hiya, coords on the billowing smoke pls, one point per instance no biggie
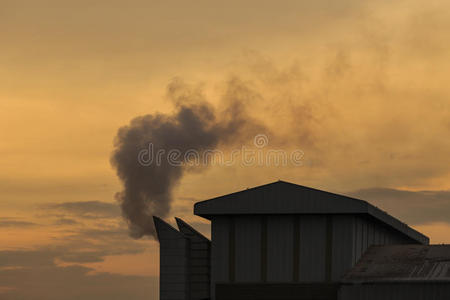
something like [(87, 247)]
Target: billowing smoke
[(195, 125)]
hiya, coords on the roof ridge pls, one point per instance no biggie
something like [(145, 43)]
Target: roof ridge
[(284, 197)]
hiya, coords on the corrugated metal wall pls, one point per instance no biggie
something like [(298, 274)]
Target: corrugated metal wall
[(292, 248), (277, 291), (220, 247), (342, 245), (368, 232), (199, 262), (174, 253), (313, 231), (280, 246), (248, 253), (395, 291)]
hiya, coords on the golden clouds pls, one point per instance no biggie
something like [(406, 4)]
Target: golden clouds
[(361, 87)]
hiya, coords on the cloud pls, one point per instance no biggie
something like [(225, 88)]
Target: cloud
[(39, 278), (87, 209), (413, 207), (29, 259), (83, 257), (66, 221), (62, 270), (86, 243), (93, 244), (11, 222), (48, 256)]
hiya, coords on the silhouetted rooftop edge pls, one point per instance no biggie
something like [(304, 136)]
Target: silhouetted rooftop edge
[(282, 197)]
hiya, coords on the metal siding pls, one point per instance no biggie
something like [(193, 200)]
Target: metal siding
[(219, 251), (277, 291), (395, 291), (370, 234), (231, 250), (388, 239), (174, 253), (364, 237), (395, 240), (263, 249), (296, 249), (374, 234), (248, 248), (329, 248), (353, 242), (279, 248), (377, 234), (199, 262), (312, 248), (342, 247), (384, 241), (359, 237)]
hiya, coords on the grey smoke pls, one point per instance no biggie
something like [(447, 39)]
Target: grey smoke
[(195, 124)]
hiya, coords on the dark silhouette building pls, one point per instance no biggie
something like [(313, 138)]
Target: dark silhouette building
[(286, 241)]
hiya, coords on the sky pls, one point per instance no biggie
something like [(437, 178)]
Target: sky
[(359, 87)]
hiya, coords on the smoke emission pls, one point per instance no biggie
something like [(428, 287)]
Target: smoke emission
[(194, 125)]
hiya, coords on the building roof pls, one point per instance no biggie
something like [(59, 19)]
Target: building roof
[(166, 231), (287, 198), (402, 263)]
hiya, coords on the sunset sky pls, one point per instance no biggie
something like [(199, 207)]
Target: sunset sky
[(360, 87)]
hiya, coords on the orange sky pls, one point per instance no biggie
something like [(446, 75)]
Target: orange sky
[(359, 86)]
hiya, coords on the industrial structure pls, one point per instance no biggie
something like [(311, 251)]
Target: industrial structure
[(286, 241)]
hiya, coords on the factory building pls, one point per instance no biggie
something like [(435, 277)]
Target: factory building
[(284, 241)]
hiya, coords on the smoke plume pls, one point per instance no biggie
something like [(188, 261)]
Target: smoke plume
[(194, 125)]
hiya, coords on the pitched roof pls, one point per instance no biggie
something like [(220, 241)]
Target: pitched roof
[(165, 231), (190, 231), (287, 198), (402, 263)]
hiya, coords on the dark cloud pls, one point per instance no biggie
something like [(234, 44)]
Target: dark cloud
[(11, 222), (66, 221), (83, 257), (87, 209), (99, 234), (415, 208), (34, 275), (29, 259), (93, 244), (79, 246)]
